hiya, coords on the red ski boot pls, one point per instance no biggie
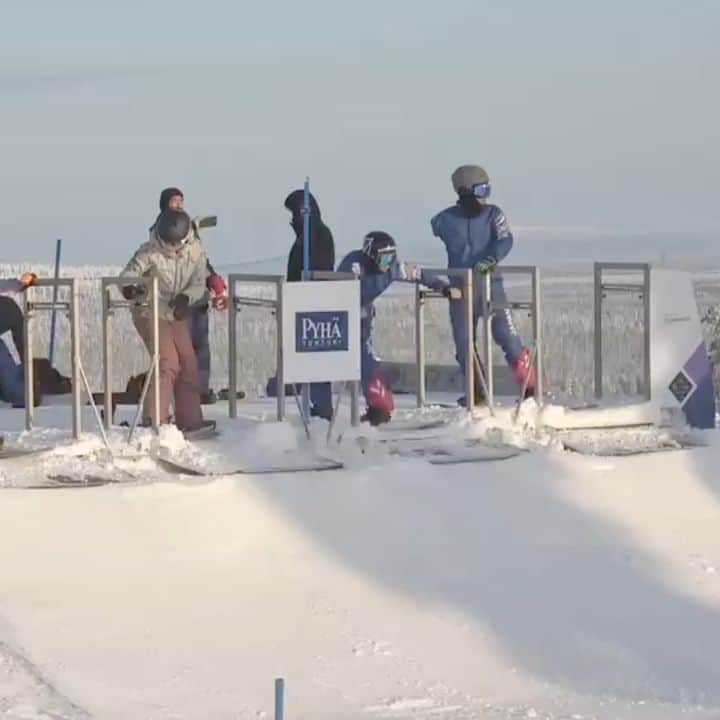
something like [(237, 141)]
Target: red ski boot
[(525, 373)]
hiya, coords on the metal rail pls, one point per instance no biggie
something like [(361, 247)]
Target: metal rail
[(236, 302), (109, 306), (72, 307), (276, 305), (490, 306), (465, 276), (600, 290)]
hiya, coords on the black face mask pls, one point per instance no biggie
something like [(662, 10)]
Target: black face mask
[(470, 204)]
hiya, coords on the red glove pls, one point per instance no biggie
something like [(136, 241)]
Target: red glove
[(220, 302), (27, 279), (216, 284)]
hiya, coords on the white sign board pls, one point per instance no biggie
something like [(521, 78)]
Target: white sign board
[(321, 331)]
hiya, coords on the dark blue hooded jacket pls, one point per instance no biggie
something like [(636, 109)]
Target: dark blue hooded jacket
[(472, 233)]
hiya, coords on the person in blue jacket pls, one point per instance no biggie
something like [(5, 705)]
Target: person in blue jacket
[(476, 235), (12, 374), (377, 266)]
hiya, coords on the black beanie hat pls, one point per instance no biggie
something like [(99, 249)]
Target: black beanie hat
[(167, 194)]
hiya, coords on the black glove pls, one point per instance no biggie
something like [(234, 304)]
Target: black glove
[(134, 292), (180, 304)]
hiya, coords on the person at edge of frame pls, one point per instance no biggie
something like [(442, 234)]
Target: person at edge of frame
[(12, 374)]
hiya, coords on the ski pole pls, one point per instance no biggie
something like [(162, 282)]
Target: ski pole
[(53, 319), (279, 699)]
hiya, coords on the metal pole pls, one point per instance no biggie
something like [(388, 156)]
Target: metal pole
[(155, 326), (58, 250), (107, 357), (75, 349), (307, 270), (487, 337), (597, 329), (470, 342), (279, 699), (232, 351), (279, 360), (29, 370), (537, 335), (647, 368), (355, 403), (420, 345)]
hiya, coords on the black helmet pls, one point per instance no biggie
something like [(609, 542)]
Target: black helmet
[(380, 248), (173, 227)]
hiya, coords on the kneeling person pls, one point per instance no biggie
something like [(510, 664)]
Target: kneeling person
[(377, 266), (176, 256)]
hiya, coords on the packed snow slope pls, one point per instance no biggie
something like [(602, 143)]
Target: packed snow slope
[(550, 585)]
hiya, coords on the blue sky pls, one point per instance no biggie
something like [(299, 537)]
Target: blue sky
[(592, 118)]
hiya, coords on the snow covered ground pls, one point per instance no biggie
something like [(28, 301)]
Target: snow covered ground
[(549, 585)]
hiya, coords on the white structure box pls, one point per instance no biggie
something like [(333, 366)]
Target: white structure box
[(321, 331)]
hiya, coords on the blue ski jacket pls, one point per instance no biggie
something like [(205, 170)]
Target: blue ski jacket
[(374, 283), (470, 237)]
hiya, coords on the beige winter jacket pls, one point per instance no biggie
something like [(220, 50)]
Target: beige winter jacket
[(180, 270)]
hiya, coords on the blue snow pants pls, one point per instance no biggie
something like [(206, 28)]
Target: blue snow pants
[(503, 329), (12, 378)]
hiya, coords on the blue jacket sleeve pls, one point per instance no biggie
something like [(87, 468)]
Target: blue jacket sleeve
[(435, 282), (371, 284), (502, 238), (435, 224)]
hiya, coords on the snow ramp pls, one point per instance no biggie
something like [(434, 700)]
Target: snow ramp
[(550, 586)]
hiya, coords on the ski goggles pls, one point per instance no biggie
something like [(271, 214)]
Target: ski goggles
[(385, 258), (481, 190)]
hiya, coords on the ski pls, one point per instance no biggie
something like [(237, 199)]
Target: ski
[(471, 452), (411, 425), (8, 453), (179, 468), (54, 482)]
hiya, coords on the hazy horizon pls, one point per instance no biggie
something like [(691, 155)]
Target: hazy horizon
[(593, 121)]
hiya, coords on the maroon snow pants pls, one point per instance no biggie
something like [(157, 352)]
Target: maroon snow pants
[(179, 376)]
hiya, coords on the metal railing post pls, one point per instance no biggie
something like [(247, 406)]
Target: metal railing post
[(597, 329), (420, 345), (29, 369), (152, 378), (232, 350), (355, 403), (155, 320), (107, 357), (280, 357), (470, 341), (537, 335), (487, 338), (647, 369), (75, 350)]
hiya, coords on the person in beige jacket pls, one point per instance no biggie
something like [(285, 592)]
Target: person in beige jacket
[(175, 255)]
